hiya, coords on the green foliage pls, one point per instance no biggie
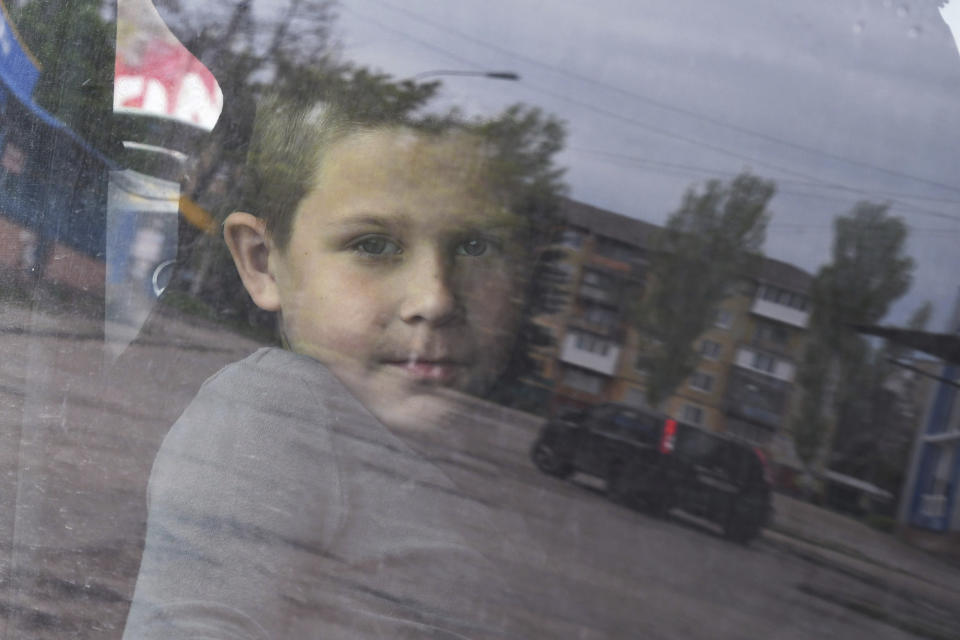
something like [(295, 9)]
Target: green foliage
[(708, 243), (811, 425), (881, 522), (842, 377), (868, 273), (368, 96), (75, 46), (524, 141)]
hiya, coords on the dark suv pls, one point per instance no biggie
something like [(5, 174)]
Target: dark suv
[(657, 463)]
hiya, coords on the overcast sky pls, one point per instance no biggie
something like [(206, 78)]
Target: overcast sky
[(837, 101)]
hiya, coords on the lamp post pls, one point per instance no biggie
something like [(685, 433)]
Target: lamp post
[(495, 75)]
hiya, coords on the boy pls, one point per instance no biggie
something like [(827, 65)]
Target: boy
[(288, 500)]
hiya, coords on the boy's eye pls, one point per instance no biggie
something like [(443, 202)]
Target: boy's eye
[(376, 246), (474, 247)]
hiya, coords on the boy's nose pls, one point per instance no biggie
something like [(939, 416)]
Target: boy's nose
[(429, 295)]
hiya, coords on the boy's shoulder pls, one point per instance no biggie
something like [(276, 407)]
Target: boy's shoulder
[(272, 378), (272, 392), (271, 368)]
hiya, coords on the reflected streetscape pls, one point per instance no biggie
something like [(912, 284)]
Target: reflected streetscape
[(336, 319)]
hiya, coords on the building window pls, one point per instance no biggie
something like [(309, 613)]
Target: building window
[(784, 297), (592, 343), (710, 349), (601, 316), (616, 250), (764, 362), (749, 433), (701, 381), (598, 287), (635, 397), (642, 365), (692, 413), (723, 319), (772, 332), (598, 279), (572, 237), (583, 381)]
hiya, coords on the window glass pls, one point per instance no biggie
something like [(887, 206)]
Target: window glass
[(710, 349), (701, 381), (583, 381), (764, 362), (294, 293), (692, 413), (723, 319), (572, 237)]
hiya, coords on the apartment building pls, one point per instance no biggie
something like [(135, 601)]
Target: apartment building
[(744, 382)]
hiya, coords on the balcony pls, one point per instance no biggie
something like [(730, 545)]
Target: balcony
[(599, 355), (600, 320), (782, 305), (781, 313), (756, 398), (765, 364), (599, 294), (755, 414)]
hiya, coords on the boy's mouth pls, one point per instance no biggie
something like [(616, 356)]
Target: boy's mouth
[(440, 371)]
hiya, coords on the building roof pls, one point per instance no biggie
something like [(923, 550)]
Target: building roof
[(609, 224), (785, 275), (642, 234)]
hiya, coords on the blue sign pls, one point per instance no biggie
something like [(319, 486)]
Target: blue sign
[(17, 69)]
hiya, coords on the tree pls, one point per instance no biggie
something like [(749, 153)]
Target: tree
[(523, 142), (706, 245), (75, 48), (876, 422), (868, 272)]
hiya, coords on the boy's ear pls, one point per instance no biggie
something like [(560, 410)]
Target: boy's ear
[(246, 237)]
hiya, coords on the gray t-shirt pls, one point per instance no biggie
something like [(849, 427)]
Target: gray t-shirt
[(279, 507)]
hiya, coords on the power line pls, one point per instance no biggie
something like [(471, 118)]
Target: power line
[(633, 121), (683, 169), (842, 187), (804, 225), (663, 105), (653, 129)]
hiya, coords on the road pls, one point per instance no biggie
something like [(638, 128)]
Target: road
[(78, 432)]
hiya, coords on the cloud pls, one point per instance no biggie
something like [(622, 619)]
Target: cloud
[(876, 83)]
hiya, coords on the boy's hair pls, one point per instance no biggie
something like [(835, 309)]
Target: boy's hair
[(287, 145), (290, 138)]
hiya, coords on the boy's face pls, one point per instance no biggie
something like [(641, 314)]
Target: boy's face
[(402, 274)]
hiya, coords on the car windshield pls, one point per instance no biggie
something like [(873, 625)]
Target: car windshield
[(298, 300)]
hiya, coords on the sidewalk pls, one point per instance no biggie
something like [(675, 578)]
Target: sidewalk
[(868, 571), (844, 536)]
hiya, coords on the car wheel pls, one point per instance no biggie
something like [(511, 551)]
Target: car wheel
[(617, 489), (744, 520), (658, 502), (548, 460), (740, 529)]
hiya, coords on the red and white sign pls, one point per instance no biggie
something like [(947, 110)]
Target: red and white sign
[(155, 74), (169, 82)]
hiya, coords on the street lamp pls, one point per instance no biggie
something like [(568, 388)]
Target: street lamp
[(496, 75)]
